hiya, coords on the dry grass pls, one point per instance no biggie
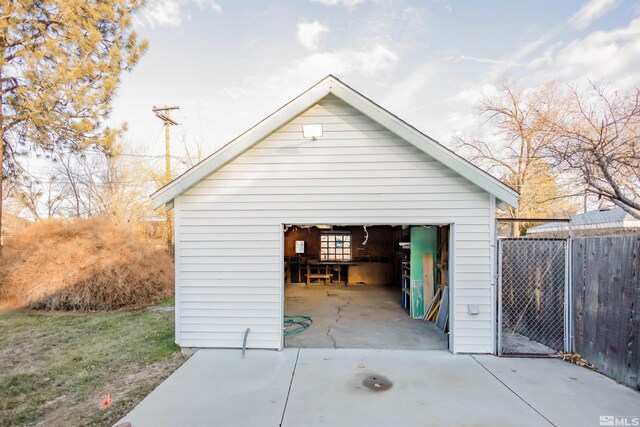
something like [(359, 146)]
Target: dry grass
[(84, 264)]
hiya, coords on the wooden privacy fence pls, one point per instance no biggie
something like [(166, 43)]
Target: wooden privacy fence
[(606, 300)]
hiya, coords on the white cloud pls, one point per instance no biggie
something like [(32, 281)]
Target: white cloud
[(309, 33), (233, 91), (613, 56), (491, 61), (606, 57), (212, 4), (609, 57), (349, 62), (171, 13), (407, 94), (517, 58), (590, 12), (422, 99), (366, 68), (353, 65), (413, 17), (443, 104), (347, 3), (474, 95)]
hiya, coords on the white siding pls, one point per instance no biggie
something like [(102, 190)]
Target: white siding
[(229, 226)]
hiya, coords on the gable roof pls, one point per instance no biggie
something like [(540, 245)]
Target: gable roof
[(304, 101)]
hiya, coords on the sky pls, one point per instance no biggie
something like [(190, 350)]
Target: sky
[(228, 64)]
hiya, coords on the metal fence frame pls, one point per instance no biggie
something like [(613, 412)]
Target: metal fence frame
[(499, 282), (567, 327), (568, 299)]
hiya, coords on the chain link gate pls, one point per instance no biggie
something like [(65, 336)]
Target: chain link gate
[(533, 296)]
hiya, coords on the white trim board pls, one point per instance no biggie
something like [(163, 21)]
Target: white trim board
[(332, 85)]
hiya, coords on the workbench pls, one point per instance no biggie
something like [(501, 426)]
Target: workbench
[(324, 270)]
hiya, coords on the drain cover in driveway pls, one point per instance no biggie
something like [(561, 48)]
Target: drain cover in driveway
[(377, 382)]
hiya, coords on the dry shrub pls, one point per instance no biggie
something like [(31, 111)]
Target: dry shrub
[(82, 264)]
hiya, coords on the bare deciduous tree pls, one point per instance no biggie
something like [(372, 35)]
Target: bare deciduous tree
[(516, 155), (193, 152), (92, 183), (598, 141), (96, 183), (41, 197)]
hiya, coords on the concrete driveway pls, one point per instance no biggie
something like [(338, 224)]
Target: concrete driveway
[(347, 387)]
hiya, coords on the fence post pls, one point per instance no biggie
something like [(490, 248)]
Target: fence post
[(568, 309), (569, 320), (499, 325)]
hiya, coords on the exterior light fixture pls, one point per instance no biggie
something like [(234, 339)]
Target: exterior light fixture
[(312, 131)]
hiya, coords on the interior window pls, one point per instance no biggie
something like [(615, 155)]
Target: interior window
[(335, 247)]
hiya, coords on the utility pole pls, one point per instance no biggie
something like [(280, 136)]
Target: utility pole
[(163, 114)]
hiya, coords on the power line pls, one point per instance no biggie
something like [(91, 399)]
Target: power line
[(66, 181), (159, 156)]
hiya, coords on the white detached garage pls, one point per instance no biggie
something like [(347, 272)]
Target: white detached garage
[(287, 202)]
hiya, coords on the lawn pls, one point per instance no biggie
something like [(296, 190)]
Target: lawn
[(169, 302), (55, 369)]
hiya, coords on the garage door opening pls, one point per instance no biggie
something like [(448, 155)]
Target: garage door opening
[(356, 286)]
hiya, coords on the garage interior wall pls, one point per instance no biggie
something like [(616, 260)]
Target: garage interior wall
[(373, 260), (229, 226)]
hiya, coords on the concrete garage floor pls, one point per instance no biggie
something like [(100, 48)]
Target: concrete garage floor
[(329, 387), (358, 316)]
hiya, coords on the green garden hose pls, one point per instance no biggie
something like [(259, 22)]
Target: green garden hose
[(298, 323)]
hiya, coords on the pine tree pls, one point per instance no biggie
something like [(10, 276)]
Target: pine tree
[(60, 65)]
